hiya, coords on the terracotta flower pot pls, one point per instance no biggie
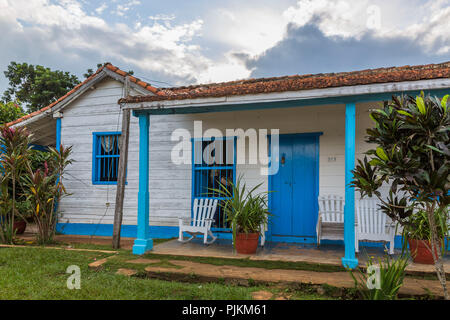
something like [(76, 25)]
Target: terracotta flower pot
[(420, 252), (20, 226), (247, 243)]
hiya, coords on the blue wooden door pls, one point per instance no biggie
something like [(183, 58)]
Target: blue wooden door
[(294, 200)]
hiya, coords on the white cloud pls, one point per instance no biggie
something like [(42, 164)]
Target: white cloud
[(349, 18), (162, 17), (100, 9), (221, 71), (66, 31), (121, 9), (253, 30), (201, 50), (246, 29)]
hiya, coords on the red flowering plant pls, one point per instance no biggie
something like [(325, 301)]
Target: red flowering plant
[(41, 187), (15, 151), (44, 188)]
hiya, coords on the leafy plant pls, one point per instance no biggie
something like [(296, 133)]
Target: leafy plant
[(391, 274), (38, 177), (418, 226), (412, 156), (14, 159), (44, 188), (7, 232), (245, 210)]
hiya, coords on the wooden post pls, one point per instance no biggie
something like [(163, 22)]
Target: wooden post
[(121, 171), (121, 177)]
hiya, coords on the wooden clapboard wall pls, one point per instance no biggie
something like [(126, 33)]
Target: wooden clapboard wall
[(170, 184)]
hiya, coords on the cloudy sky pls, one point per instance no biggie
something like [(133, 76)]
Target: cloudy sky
[(197, 41)]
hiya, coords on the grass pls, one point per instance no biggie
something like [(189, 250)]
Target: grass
[(40, 273), (32, 272)]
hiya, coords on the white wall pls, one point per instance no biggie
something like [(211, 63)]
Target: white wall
[(95, 111), (170, 184)]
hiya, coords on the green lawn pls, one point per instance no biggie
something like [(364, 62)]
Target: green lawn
[(39, 273)]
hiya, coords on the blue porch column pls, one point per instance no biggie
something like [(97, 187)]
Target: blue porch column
[(143, 242), (349, 261), (58, 133)]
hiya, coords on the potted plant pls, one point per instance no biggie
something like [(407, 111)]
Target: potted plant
[(417, 232), (22, 215), (246, 211)]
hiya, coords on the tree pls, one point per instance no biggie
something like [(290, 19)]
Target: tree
[(10, 111), (412, 155), (36, 86)]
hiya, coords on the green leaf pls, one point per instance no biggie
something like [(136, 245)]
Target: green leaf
[(421, 105), (435, 149), (382, 154), (405, 113), (444, 103), (375, 162)]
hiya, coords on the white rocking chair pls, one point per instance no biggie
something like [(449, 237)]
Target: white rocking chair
[(373, 224), (202, 219), (330, 223)]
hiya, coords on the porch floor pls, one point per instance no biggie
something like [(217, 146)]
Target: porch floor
[(278, 251)]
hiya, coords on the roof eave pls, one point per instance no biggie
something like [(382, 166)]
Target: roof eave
[(309, 94)]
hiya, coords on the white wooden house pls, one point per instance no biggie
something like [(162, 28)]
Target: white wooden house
[(321, 121)]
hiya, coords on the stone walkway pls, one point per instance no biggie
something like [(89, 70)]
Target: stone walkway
[(325, 254), (208, 272)]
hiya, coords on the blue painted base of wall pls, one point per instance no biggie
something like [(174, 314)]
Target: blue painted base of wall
[(127, 231)]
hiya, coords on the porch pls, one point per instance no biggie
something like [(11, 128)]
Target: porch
[(347, 100)]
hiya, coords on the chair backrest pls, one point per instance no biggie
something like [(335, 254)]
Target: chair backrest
[(203, 210), (371, 220), (331, 208)]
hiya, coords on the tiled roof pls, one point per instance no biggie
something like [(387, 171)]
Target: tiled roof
[(299, 82), (108, 66)]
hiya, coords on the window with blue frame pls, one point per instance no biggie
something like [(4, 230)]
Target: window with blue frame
[(105, 157), (214, 162)]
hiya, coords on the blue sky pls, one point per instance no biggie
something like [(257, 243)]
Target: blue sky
[(186, 42)]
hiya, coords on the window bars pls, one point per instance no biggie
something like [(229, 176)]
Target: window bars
[(214, 163)]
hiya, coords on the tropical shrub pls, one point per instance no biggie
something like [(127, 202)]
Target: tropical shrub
[(43, 189), (412, 155), (31, 177), (391, 274), (15, 151)]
